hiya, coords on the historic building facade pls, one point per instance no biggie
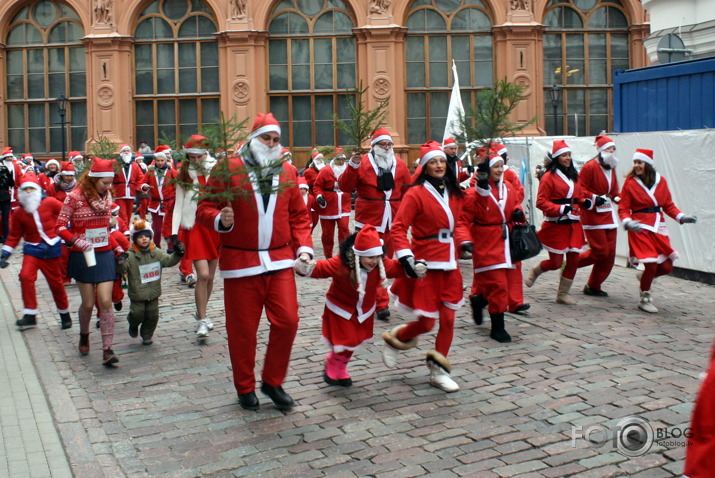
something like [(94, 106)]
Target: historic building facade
[(155, 69)]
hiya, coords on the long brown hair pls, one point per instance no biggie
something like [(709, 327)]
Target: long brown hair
[(88, 186), (648, 177)]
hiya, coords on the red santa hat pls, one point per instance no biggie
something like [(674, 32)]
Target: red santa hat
[(140, 227), (67, 168), (498, 148), (162, 150), (114, 209), (368, 242), (645, 155), (494, 158), (74, 155), (101, 168), (559, 147), (603, 142), (138, 157), (316, 155), (51, 162), (302, 183), (380, 134), (264, 123), (429, 150), (7, 153), (286, 154), (339, 153), (449, 142), (196, 144), (29, 180), (27, 156), (123, 147)]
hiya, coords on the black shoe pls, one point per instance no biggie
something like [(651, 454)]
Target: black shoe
[(384, 315), (108, 358), (248, 401), (133, 331), (98, 323), (118, 306), (281, 399), (147, 341), (500, 336), (478, 303), (593, 292), (341, 382), (28, 320), (66, 320), (522, 308)]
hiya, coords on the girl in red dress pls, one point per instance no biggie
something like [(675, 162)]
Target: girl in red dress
[(644, 198)]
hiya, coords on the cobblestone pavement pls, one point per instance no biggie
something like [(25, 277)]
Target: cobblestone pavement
[(170, 409)]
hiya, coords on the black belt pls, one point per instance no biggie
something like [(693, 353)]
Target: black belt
[(567, 221), (495, 224), (570, 201), (376, 199), (436, 236), (329, 190), (255, 250), (648, 210)]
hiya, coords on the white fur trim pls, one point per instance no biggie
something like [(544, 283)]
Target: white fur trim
[(195, 151), (559, 152), (494, 161), (380, 138), (642, 157), (265, 129), (607, 145), (373, 251), (432, 154), (108, 174)]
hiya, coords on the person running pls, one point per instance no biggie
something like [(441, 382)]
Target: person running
[(333, 205)]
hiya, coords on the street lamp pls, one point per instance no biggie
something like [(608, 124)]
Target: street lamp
[(555, 94), (62, 107)]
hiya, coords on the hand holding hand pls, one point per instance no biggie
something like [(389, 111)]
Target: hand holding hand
[(420, 268), (121, 258), (179, 248), (408, 263), (227, 217), (688, 220), (304, 265)]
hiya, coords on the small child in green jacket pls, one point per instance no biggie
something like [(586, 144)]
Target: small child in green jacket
[(143, 267)]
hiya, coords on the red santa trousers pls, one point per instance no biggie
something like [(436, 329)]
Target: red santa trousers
[(601, 253), (327, 235), (516, 287), (494, 286), (50, 268), (244, 299), (700, 452), (126, 206)]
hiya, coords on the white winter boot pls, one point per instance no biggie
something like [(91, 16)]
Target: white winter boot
[(439, 369), (393, 345), (646, 303)]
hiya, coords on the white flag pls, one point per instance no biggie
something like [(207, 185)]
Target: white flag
[(453, 129)]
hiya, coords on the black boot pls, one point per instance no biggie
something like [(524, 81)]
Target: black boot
[(478, 303), (383, 314), (498, 332), (66, 320), (280, 398), (28, 320)]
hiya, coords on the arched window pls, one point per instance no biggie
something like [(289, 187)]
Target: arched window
[(176, 75), (311, 57), (45, 58), (440, 31), (585, 41)]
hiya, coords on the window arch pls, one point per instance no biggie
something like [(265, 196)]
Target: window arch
[(176, 75), (440, 31), (585, 41), (312, 59), (44, 59)]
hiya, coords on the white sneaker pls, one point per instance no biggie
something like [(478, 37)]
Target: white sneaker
[(389, 356), (202, 330), (191, 280), (209, 323)]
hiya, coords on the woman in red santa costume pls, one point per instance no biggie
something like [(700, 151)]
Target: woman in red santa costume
[(200, 241), (430, 210), (490, 209), (262, 230), (162, 193), (332, 203), (310, 173), (599, 182), (83, 224), (379, 178), (52, 169), (34, 222), (644, 198), (559, 198), (358, 271), (127, 181)]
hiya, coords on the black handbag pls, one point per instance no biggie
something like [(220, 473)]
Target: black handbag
[(523, 242)]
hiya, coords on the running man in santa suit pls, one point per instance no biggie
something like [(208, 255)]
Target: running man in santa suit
[(333, 205), (379, 178), (262, 231), (127, 181)]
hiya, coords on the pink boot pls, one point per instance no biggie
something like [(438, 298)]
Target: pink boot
[(336, 372), (106, 323)]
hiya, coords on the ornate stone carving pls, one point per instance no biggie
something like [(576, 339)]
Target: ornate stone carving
[(105, 96), (379, 6), (381, 87), (238, 8), (520, 5), (103, 11), (241, 91)]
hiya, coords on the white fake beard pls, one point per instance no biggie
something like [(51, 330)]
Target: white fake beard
[(29, 200), (337, 170), (610, 159), (265, 155), (304, 193), (318, 164), (384, 158), (126, 157)]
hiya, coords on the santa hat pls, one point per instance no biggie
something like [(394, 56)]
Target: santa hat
[(494, 158), (449, 142), (51, 162), (162, 150), (286, 154), (114, 209), (67, 168), (316, 155), (29, 180), (264, 123), (138, 157), (140, 227), (603, 142), (196, 144), (123, 147), (380, 134), (101, 168), (73, 155), (645, 155), (498, 148), (7, 152), (559, 147), (302, 183), (368, 242), (339, 153), (27, 156), (429, 150)]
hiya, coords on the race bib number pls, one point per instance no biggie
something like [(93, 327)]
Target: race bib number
[(605, 207), (150, 272), (99, 237)]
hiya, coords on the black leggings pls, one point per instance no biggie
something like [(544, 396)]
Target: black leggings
[(5, 211)]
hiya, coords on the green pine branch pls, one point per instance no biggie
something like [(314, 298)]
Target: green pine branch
[(363, 121)]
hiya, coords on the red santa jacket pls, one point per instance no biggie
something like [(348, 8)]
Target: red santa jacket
[(78, 219), (487, 214), (598, 181), (338, 202), (162, 189), (433, 217), (55, 191), (555, 191), (371, 203), (516, 186), (639, 203), (343, 298), (35, 228), (264, 237), (127, 180)]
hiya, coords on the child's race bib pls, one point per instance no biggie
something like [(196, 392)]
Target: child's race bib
[(150, 272), (99, 237)]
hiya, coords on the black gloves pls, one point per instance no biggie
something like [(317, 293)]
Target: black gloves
[(600, 201), (567, 209), (121, 258), (408, 262), (179, 248), (467, 247), (321, 201), (587, 203), (517, 215), (3, 260)]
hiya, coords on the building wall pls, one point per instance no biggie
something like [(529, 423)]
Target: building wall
[(242, 38), (692, 20)]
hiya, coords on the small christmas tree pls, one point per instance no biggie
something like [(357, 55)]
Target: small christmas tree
[(363, 121), (101, 147)]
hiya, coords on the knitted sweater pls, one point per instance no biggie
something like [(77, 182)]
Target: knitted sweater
[(77, 218)]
